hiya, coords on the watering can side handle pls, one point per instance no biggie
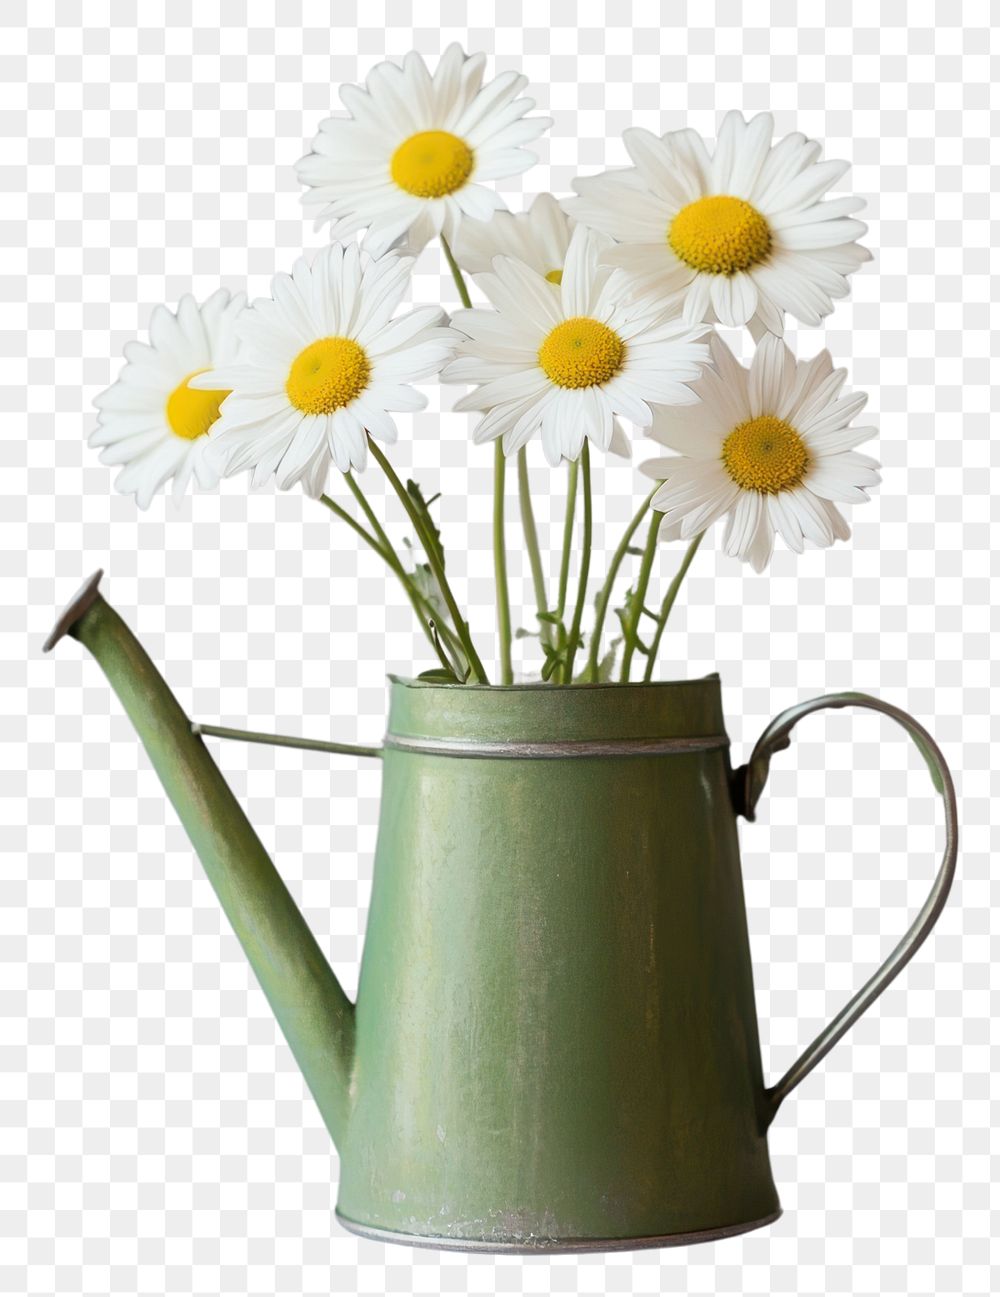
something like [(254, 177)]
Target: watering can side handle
[(748, 784), (286, 741)]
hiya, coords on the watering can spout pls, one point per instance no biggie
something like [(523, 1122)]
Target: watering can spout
[(315, 1014)]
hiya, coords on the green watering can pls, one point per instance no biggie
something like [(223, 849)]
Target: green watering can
[(554, 1046)]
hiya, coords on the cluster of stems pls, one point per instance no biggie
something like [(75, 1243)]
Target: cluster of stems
[(561, 633)]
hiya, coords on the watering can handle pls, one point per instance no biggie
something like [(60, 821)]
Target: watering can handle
[(748, 784)]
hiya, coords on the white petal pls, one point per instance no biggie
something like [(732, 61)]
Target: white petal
[(698, 299), (742, 533), (518, 292), (768, 318), (583, 277), (772, 374), (619, 444), (839, 439), (727, 148), (791, 293), (811, 516), (749, 158), (688, 432), (692, 157), (657, 165), (127, 449), (827, 211), (833, 417), (843, 477), (694, 494), (838, 524), (786, 160), (512, 387), (516, 421), (734, 298), (820, 234), (315, 476), (808, 186), (761, 544), (785, 520)]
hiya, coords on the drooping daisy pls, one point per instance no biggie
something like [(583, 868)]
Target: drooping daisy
[(320, 363), (152, 421), (566, 359), (539, 237), (739, 235), (410, 158), (772, 447)]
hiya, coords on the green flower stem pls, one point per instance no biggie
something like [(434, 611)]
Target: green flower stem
[(567, 547), (425, 612), (567, 543), (531, 541), (353, 523), (500, 563), (639, 599), (437, 567), (431, 612), (581, 594), (668, 603), (604, 598), (456, 274), (369, 512), (499, 476)]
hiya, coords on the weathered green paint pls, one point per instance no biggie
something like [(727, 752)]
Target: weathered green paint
[(555, 1043), (556, 1035)]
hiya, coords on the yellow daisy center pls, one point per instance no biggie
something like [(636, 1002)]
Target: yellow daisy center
[(190, 412), (765, 454), (328, 374), (554, 276), (431, 164), (581, 352), (719, 235)]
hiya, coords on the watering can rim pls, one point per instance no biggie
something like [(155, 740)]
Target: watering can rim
[(547, 687)]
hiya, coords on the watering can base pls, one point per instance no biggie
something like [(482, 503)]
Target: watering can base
[(539, 1244)]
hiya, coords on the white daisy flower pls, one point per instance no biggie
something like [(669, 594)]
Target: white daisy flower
[(737, 236), (568, 358), (321, 363), (539, 237), (152, 420), (410, 159), (772, 447)]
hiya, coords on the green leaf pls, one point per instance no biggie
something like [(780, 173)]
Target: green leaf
[(606, 666), (440, 674), (422, 508), (624, 613), (550, 666)]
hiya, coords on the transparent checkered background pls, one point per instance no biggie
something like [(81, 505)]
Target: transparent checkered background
[(156, 1136)]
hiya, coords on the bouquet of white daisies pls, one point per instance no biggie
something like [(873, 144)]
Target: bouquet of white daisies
[(596, 308)]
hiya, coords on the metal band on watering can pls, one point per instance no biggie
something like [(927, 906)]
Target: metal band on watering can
[(748, 784), (567, 748)]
